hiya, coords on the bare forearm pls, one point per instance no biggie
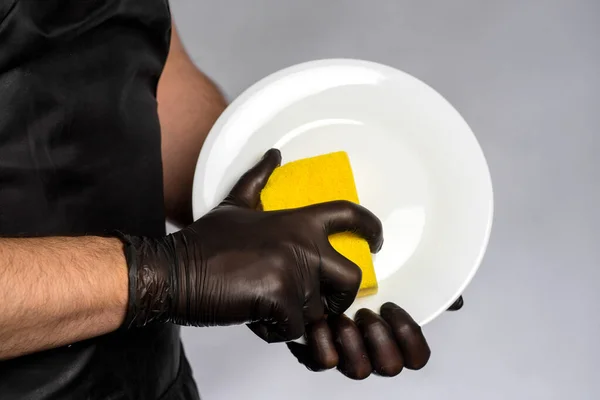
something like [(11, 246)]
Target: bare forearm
[(189, 103), (57, 291)]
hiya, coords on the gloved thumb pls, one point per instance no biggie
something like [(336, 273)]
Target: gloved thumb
[(246, 192)]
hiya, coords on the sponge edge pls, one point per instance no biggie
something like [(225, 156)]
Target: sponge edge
[(317, 180)]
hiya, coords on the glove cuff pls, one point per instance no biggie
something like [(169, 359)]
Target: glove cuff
[(149, 262)]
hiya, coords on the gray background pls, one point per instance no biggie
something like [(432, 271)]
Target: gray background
[(525, 75)]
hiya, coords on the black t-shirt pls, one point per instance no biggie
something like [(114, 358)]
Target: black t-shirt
[(80, 154)]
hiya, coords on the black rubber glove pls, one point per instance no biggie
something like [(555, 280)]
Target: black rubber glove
[(274, 270), (457, 305), (382, 344)]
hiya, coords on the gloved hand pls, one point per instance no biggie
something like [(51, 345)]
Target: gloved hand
[(382, 344), (274, 270)]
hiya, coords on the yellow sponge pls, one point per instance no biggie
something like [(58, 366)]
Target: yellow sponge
[(317, 180)]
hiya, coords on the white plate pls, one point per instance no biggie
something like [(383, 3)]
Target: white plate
[(416, 162)]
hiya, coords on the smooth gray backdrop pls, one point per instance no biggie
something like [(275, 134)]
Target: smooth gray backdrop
[(526, 77)]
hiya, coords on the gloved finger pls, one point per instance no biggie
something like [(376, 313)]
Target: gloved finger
[(321, 344), (354, 360), (457, 305), (319, 353), (340, 280), (345, 216), (408, 334), (285, 323), (379, 340), (246, 192)]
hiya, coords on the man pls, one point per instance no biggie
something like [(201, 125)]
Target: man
[(95, 152)]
